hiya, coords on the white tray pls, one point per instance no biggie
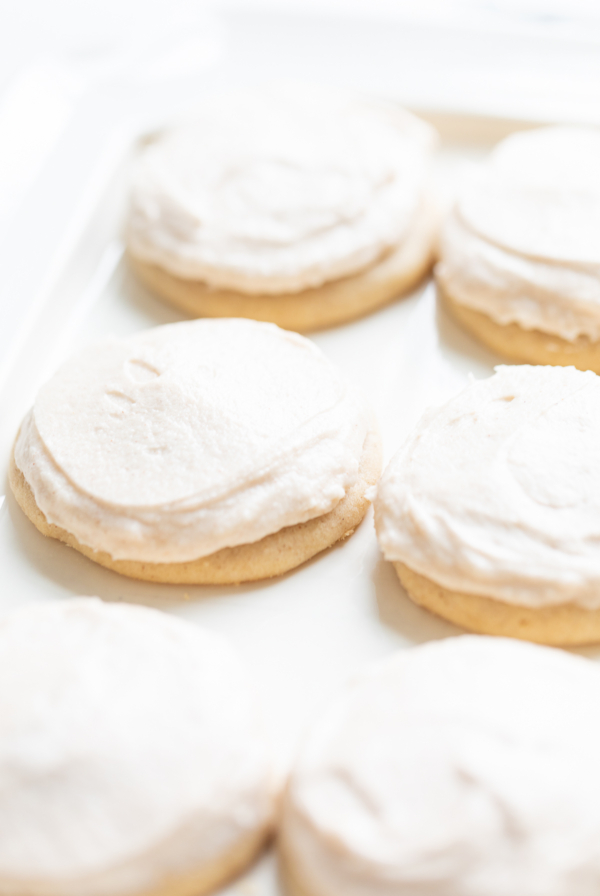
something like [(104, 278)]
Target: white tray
[(302, 634)]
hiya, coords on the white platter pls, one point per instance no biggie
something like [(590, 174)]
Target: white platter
[(302, 634)]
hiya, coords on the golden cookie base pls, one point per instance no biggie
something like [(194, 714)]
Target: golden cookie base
[(562, 625), (526, 346), (291, 876)]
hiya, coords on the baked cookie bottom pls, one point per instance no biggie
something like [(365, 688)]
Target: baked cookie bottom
[(529, 346), (312, 309), (290, 873), (271, 556), (220, 872), (194, 883), (560, 625)]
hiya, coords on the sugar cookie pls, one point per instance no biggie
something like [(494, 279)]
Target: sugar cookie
[(464, 766), (299, 207), (208, 451), (490, 511), (520, 254), (131, 759)]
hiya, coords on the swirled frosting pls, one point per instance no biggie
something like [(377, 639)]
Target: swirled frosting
[(278, 191), (130, 752), (184, 439), (465, 766), (523, 243), (497, 493)]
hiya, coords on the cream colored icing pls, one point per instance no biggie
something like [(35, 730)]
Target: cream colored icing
[(277, 191), (497, 493), (523, 243), (184, 439), (465, 766), (130, 750)]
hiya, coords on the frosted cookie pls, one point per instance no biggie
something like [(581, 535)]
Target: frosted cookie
[(304, 208), (520, 255), (466, 766), (211, 451), (131, 758), (490, 511)]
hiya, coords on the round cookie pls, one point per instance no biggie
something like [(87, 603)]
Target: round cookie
[(519, 259), (214, 451), (303, 209), (131, 759), (490, 511), (463, 766)]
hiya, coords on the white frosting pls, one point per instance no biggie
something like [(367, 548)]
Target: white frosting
[(129, 750), (562, 300), (466, 766), (279, 191), (497, 493), (187, 438), (523, 244)]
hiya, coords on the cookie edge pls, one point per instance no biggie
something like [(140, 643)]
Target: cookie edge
[(333, 303), (560, 625), (518, 344), (273, 555)]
